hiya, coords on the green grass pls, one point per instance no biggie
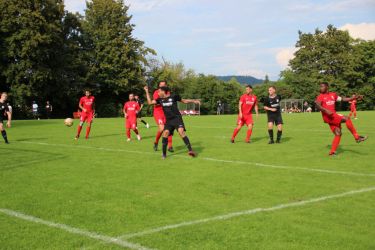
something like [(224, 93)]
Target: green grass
[(111, 187)]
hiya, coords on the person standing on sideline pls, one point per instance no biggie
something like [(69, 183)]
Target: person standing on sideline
[(34, 108), (48, 109), (4, 114)]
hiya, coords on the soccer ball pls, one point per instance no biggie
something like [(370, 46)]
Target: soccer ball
[(68, 122)]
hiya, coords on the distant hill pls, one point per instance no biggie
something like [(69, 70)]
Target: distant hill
[(242, 79)]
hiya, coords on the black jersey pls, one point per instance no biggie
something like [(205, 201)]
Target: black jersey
[(3, 111), (140, 102), (169, 105), (273, 102)]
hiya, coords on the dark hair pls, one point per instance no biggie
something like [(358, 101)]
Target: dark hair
[(87, 90), (165, 89), (325, 83), (249, 86), (273, 87)]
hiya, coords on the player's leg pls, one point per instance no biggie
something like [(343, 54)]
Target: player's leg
[(160, 123), (270, 132), (279, 132), (349, 124), (165, 142), (355, 113), (80, 125), (135, 129), (249, 132), (3, 132), (336, 140), (88, 125), (182, 133), (240, 123)]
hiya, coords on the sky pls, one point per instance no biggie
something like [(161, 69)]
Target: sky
[(239, 37)]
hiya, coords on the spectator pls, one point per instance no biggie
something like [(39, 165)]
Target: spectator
[(219, 107), (48, 109), (35, 110)]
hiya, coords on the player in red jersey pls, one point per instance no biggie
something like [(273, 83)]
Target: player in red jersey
[(353, 108), (325, 102), (160, 119), (87, 106), (131, 109), (248, 103)]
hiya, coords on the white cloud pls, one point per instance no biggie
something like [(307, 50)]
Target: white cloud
[(75, 5), (364, 31), (283, 56), (146, 5)]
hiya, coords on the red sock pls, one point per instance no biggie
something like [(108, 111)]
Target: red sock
[(169, 141), (248, 135), (136, 131), (79, 130), (88, 131), (128, 133), (350, 126), (335, 143), (158, 135), (355, 114), (235, 132)]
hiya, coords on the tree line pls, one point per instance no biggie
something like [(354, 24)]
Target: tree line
[(49, 53)]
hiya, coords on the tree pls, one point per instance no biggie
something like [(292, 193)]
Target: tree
[(116, 59)]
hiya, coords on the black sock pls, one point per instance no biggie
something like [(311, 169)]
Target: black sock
[(4, 134), (165, 144), (187, 143), (143, 122), (279, 134), (270, 132)]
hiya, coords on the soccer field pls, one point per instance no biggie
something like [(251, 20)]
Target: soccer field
[(106, 193)]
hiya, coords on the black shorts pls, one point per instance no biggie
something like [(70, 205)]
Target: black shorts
[(174, 124), (139, 115), (275, 118)]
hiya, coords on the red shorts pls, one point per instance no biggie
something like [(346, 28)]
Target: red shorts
[(131, 123), (160, 119), (353, 109), (335, 121), (245, 120), (87, 117)]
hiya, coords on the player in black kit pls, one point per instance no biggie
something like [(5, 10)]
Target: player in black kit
[(139, 114), (172, 115), (273, 108), (4, 114)]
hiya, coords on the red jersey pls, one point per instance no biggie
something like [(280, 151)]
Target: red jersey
[(131, 109), (158, 109), (87, 103), (248, 103), (353, 104), (328, 101)]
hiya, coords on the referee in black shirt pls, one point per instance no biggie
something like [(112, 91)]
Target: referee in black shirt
[(172, 115), (273, 108)]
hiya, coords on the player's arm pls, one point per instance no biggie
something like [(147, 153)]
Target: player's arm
[(149, 101), (256, 109), (324, 110), (124, 110), (9, 122), (240, 109), (81, 107), (350, 99), (269, 109)]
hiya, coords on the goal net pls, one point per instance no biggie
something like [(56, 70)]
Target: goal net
[(189, 108), (292, 105)]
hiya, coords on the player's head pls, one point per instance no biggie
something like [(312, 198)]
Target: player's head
[(131, 97), (163, 91), (324, 87), (87, 92), (162, 84), (248, 89), (4, 96), (47, 102), (136, 97), (272, 90)]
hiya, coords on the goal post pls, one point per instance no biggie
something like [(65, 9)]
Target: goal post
[(189, 108)]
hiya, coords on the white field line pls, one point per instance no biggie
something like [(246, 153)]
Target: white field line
[(210, 159), (73, 230), (32, 162), (246, 212)]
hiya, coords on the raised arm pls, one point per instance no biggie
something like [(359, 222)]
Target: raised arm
[(149, 101), (354, 97)]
